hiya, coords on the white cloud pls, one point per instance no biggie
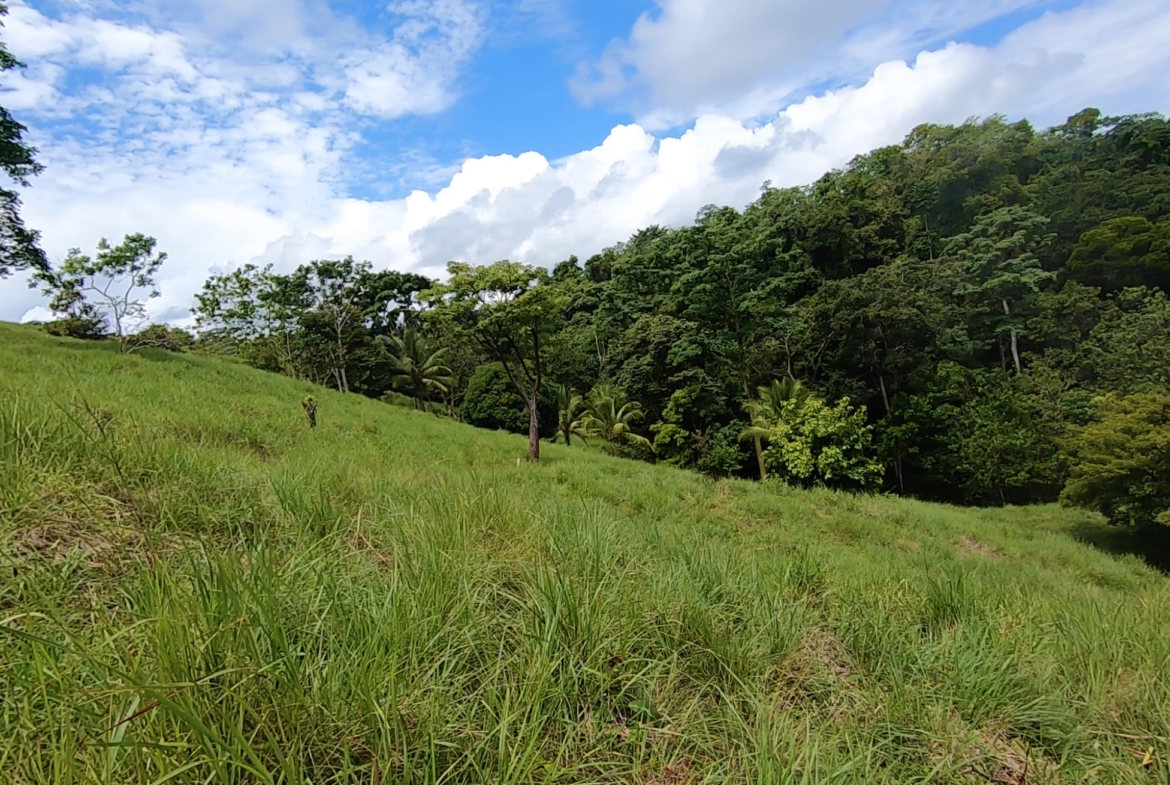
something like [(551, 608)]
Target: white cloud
[(742, 57), (411, 73), (260, 183)]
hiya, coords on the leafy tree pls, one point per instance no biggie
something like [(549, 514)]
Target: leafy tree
[(735, 285), (766, 411), (610, 417), (231, 305), (1120, 464), (1128, 349), (1122, 252), (999, 255), (330, 288), (721, 456), (110, 285), (418, 369), (18, 244), (569, 408), (693, 427), (162, 336), (813, 443), (510, 310), (491, 401)]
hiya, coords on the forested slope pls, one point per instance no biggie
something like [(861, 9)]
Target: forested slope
[(972, 292)]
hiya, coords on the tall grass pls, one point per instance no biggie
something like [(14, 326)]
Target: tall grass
[(196, 588)]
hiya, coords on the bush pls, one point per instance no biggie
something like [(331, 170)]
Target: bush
[(491, 401), (724, 454), (80, 327), (817, 444), (160, 336), (1120, 464)]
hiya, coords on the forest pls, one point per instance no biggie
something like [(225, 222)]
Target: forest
[(977, 315)]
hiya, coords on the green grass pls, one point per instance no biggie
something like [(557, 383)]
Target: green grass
[(197, 588)]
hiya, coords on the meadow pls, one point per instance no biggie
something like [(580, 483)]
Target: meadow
[(196, 587)]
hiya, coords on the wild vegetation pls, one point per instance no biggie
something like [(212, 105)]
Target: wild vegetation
[(210, 573), (956, 308), (196, 586)]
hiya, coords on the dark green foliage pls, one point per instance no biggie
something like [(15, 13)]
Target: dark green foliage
[(1121, 252), (18, 244), (971, 291), (80, 327), (491, 401), (161, 336), (722, 455)]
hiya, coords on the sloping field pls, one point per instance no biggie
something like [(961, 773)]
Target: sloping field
[(197, 588)]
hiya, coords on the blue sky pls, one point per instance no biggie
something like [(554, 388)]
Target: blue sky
[(411, 132)]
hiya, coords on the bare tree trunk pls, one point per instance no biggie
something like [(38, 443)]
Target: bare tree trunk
[(533, 429), (342, 381), (1015, 339)]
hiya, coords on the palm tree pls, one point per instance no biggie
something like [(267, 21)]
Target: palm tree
[(610, 417), (767, 410), (418, 370), (569, 407)]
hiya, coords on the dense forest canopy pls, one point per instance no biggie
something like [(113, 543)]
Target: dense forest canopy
[(967, 314)]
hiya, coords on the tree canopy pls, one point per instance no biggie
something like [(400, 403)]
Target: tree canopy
[(952, 306)]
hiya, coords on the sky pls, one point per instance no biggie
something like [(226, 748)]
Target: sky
[(414, 132)]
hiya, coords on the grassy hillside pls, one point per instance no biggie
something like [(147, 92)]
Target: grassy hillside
[(196, 588)]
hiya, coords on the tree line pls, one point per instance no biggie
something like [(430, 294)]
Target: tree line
[(976, 315), (958, 317)]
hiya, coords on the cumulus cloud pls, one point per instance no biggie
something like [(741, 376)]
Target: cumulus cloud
[(542, 211), (260, 183), (690, 57)]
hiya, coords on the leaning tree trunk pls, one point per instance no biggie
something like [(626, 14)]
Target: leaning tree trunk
[(533, 429)]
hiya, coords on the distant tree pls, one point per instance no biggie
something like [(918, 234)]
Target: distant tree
[(491, 401), (161, 336), (418, 369), (84, 327), (813, 443), (330, 289), (1000, 258), (692, 431), (569, 408), (1120, 464), (18, 244), (110, 285), (1121, 252), (610, 417), (511, 310), (766, 411)]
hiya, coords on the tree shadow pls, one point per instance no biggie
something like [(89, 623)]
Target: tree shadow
[(1151, 544)]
